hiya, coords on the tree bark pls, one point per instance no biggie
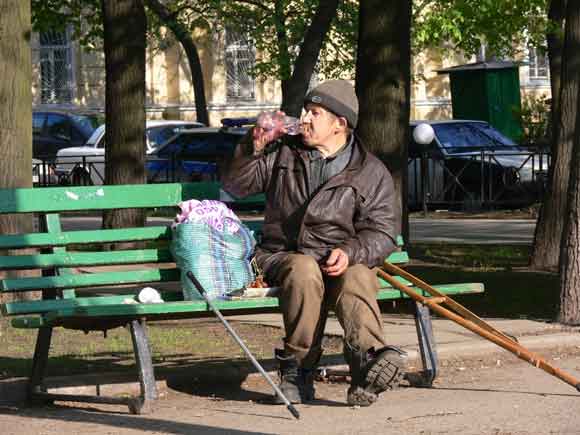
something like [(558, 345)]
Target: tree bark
[(15, 113), (125, 27), (546, 252), (555, 38), (15, 99), (294, 89), (383, 75), (570, 253), (183, 35)]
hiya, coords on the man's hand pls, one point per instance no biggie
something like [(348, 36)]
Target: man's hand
[(267, 130), (261, 138), (336, 263)]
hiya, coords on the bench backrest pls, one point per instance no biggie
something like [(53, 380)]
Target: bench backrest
[(58, 254)]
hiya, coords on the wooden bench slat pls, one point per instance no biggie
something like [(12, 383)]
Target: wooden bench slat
[(152, 311), (47, 305), (52, 224), (58, 199), (89, 280), (74, 198), (75, 259), (39, 240), (398, 257), (73, 305)]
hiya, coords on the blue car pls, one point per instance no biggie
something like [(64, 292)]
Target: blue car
[(193, 155)]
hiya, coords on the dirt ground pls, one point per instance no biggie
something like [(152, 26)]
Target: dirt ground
[(497, 394)]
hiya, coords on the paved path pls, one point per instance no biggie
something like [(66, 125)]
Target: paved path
[(479, 231), (492, 393)]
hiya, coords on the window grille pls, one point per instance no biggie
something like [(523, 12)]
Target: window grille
[(240, 60), (56, 72)]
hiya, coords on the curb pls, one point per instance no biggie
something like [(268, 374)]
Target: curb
[(484, 347)]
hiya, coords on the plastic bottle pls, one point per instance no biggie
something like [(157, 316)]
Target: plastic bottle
[(275, 121)]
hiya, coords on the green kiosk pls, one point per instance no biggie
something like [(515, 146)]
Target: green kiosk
[(487, 91)]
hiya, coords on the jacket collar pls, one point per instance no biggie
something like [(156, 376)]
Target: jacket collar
[(348, 175)]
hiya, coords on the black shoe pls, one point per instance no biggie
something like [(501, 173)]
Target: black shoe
[(296, 383), (373, 372)]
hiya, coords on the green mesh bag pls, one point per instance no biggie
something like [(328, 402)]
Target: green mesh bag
[(219, 260)]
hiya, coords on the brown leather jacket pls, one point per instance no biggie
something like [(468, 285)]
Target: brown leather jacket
[(355, 210)]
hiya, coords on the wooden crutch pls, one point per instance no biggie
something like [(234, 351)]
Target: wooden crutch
[(451, 304), (469, 320)]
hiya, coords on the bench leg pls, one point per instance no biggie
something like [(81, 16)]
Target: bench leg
[(37, 393), (142, 404), (427, 346), (35, 383)]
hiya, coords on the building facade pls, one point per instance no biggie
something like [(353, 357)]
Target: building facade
[(67, 76)]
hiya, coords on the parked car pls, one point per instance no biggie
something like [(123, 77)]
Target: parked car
[(199, 154), (86, 164), (471, 160), (53, 130), (192, 155)]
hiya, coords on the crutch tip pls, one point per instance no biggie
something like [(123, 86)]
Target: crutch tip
[(294, 411)]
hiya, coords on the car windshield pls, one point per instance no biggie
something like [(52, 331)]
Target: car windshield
[(86, 123), (457, 137), (158, 135)]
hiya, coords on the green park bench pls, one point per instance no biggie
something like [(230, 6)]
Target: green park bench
[(95, 299)]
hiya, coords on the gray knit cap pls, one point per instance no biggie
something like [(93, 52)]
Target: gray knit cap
[(338, 96)]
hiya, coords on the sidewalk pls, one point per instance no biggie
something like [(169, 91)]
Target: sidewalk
[(453, 342)]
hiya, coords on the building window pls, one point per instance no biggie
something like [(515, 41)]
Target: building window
[(56, 72), (240, 60), (538, 64)]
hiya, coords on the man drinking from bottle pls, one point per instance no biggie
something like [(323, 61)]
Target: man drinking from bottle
[(330, 218)]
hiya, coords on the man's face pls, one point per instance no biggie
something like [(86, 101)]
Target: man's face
[(319, 126)]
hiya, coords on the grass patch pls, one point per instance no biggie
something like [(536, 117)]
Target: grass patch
[(173, 343), (508, 294), (479, 256)]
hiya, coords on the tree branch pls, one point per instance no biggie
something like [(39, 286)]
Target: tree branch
[(255, 3), (184, 37)]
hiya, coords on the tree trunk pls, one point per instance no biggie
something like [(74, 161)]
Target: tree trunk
[(555, 38), (183, 35), (383, 76), (15, 112), (550, 223), (570, 253), (125, 27), (294, 89), (15, 100)]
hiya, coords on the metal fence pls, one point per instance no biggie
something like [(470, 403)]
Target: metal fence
[(481, 180)]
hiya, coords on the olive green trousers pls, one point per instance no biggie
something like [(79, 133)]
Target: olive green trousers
[(307, 295)]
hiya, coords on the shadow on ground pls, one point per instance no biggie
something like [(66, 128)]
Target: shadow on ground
[(108, 419)]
